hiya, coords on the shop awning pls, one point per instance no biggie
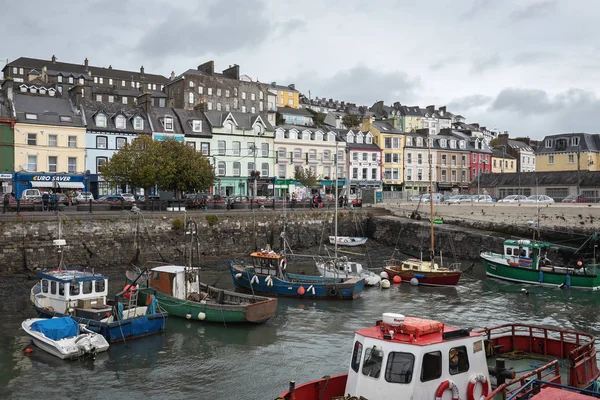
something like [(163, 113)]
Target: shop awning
[(62, 185)]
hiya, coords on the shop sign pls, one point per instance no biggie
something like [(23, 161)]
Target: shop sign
[(5, 176), (51, 178)]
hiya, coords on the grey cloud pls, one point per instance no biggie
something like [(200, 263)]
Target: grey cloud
[(466, 103), (534, 10), (525, 101), (483, 64), (478, 7), (218, 29), (361, 85), (437, 65), (532, 57)]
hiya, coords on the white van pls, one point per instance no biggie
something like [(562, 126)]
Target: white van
[(31, 194)]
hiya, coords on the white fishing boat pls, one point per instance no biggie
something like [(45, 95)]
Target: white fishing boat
[(342, 268), (347, 240), (64, 338)]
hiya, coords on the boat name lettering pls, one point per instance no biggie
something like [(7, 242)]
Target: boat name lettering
[(48, 178)]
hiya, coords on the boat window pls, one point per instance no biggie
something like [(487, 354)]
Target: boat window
[(399, 367), (356, 354), (99, 286), (87, 287), (432, 366), (155, 276), (61, 289), (459, 360), (53, 287), (74, 289), (353, 267), (373, 361), (44, 286), (509, 251)]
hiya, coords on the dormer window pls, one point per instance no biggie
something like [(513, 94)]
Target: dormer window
[(409, 141), (59, 78), (197, 125), (443, 143), (51, 92), (419, 142), (168, 123), (462, 144), (368, 139), (350, 137), (101, 120), (549, 143), (120, 122), (575, 141), (359, 138), (42, 90), (306, 135), (71, 80), (23, 88), (330, 137), (33, 89), (453, 144), (65, 118), (138, 123), (318, 136)]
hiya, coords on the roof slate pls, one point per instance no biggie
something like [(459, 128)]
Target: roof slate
[(186, 118), (111, 110), (587, 142), (48, 110), (244, 120), (385, 127)]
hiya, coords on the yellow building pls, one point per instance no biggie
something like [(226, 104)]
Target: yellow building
[(502, 162), (287, 96), (411, 118), (391, 142), (49, 135), (569, 152)]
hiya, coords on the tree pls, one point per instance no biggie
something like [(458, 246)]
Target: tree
[(494, 142), (169, 164), (351, 120), (318, 118), (279, 119), (305, 176)]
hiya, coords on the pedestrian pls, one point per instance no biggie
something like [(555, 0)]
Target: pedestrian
[(320, 200), (45, 198), (53, 201), (6, 203), (293, 201)]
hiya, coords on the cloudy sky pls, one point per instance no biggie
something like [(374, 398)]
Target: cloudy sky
[(527, 66)]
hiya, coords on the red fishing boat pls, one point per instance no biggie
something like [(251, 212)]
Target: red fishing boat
[(424, 272), (412, 358)]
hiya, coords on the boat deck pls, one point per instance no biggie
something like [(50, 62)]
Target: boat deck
[(523, 363)]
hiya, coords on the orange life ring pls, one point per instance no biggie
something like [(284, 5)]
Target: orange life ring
[(283, 264), (475, 379), (128, 289), (447, 385), (149, 299)]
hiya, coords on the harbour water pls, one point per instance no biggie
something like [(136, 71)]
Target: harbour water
[(305, 340)]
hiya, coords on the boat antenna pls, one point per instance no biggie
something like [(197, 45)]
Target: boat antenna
[(336, 196), (431, 200)]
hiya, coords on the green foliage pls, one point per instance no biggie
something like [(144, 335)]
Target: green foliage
[(178, 224), (279, 119), (351, 121), (318, 118), (170, 164), (305, 176), (494, 142), (212, 219)]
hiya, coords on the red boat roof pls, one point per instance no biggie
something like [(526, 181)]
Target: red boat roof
[(412, 330), (552, 393)]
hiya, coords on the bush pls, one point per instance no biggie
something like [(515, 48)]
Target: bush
[(178, 224), (212, 219)]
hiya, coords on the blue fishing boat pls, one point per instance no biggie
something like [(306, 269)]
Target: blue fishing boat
[(82, 295), (267, 275)]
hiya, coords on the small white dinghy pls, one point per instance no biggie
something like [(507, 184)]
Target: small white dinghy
[(348, 240), (341, 268), (64, 338)]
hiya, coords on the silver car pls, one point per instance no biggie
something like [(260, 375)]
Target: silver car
[(539, 198), (482, 198), (513, 198), (459, 198)]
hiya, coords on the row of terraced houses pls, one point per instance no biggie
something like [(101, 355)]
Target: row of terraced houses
[(60, 121)]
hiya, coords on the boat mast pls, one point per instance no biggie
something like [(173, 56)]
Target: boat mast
[(336, 196), (431, 199)]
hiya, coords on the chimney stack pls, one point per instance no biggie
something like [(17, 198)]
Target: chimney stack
[(430, 109), (233, 72), (208, 67), (53, 59), (201, 106), (110, 66), (144, 100), (397, 105), (86, 65), (172, 75), (142, 72), (7, 87)]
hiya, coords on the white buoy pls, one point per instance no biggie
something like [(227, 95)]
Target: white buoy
[(385, 284), (201, 316), (238, 275), (384, 275), (414, 282), (188, 316)]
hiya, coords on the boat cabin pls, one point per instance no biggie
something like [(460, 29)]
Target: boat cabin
[(67, 290), (419, 358), (267, 262), (524, 253), (175, 281)]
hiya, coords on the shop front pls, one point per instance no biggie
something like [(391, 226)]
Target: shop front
[(46, 182), (6, 185), (230, 186)]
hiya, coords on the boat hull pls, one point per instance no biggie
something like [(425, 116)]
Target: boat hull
[(314, 287), (348, 241), (118, 331), (371, 279), (427, 278), (257, 312), (325, 388), (496, 267)]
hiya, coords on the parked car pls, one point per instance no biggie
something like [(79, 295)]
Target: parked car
[(112, 198), (437, 197), (575, 198), (83, 197), (459, 198), (539, 198), (416, 198), (481, 198), (513, 198), (62, 198), (128, 197), (31, 195)]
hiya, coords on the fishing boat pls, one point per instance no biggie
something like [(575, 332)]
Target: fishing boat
[(411, 358), (82, 295), (526, 261), (267, 275), (347, 240), (64, 338), (424, 272), (180, 292)]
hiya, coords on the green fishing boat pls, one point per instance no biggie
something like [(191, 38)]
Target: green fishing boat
[(526, 261), (179, 291)]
